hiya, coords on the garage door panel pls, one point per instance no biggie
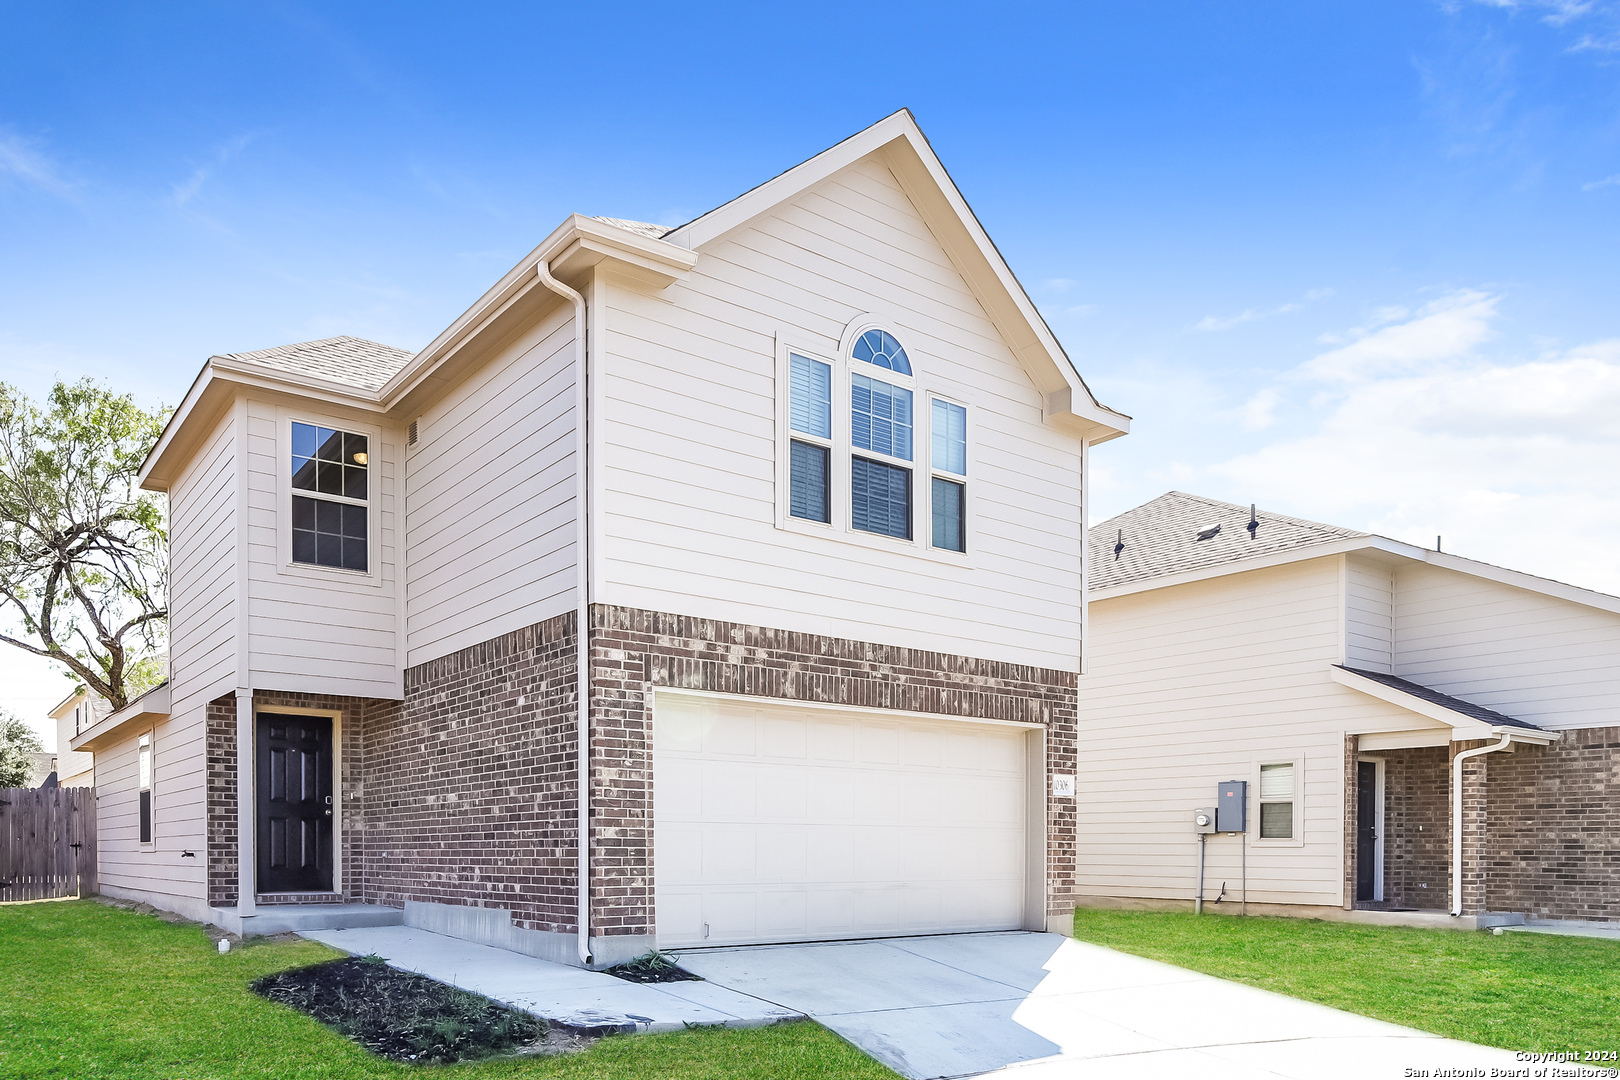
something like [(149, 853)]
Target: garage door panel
[(783, 737), (781, 824), (832, 739)]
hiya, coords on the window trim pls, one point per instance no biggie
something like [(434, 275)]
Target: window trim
[(924, 386), (146, 746), (1298, 799), (382, 451)]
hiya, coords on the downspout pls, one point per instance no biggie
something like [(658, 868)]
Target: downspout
[(582, 632), (1456, 816)]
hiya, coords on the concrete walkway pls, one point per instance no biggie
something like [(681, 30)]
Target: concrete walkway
[(569, 995), (1025, 1006)]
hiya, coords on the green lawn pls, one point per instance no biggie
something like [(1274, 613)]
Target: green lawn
[(91, 991), (1519, 991)]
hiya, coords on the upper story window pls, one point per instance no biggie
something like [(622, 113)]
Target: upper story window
[(331, 491), (878, 348), (857, 437), (949, 488)]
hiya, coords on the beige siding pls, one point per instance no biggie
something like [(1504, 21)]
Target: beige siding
[(178, 825), (1369, 615), (1196, 684), (489, 521), (687, 463), (316, 630), (1537, 658)]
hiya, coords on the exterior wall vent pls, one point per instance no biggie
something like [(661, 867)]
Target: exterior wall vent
[(410, 434)]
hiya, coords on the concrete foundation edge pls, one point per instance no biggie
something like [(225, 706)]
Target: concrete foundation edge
[(1430, 920), (187, 907), (493, 926)]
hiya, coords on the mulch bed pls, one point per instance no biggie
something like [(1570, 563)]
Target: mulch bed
[(408, 1017)]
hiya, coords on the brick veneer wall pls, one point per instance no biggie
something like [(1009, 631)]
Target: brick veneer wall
[(222, 764), (221, 798), (1417, 828), (469, 783), (635, 651), (1554, 828)]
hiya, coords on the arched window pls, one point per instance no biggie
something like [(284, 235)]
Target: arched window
[(878, 348)]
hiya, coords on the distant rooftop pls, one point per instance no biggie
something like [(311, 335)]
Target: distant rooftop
[(1161, 538), (351, 361)]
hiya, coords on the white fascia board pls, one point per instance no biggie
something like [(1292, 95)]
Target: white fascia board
[(150, 707), (177, 419), (1513, 578), (906, 151), (644, 254), (1261, 562), (1463, 727), (1529, 582)]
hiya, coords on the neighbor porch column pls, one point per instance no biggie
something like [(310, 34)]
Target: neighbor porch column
[(246, 826)]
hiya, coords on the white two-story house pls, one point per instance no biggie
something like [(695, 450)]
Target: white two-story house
[(802, 480)]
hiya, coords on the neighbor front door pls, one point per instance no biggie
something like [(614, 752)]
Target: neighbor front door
[(1367, 827), (294, 756)]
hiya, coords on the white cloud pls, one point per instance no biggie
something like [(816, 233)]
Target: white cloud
[(1607, 181), (1513, 462), (1226, 322), (22, 160), (1259, 412), (187, 190), (1442, 331)]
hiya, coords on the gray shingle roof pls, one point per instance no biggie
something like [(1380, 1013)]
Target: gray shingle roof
[(350, 361), (1435, 697), (1161, 538), (646, 228)]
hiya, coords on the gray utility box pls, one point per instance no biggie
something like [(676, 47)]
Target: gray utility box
[(1232, 806), (1204, 819)]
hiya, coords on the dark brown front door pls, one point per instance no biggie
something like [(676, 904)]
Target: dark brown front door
[(295, 803)]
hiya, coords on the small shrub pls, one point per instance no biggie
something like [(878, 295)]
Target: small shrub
[(654, 967)]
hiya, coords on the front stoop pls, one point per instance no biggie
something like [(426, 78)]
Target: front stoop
[(299, 918)]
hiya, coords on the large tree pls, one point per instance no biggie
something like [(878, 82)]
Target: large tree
[(83, 577)]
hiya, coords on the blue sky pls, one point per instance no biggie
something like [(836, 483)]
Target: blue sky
[(1355, 261)]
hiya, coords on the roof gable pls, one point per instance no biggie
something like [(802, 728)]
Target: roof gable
[(347, 361), (901, 146)]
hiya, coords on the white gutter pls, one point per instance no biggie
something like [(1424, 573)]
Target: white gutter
[(582, 636), (1456, 816)]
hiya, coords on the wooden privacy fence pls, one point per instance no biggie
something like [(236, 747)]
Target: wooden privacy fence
[(47, 842)]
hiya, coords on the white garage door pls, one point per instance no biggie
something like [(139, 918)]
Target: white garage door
[(774, 823)]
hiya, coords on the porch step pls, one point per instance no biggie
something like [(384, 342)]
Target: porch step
[(298, 918)]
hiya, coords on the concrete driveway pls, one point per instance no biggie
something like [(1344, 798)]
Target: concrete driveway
[(1038, 1007)]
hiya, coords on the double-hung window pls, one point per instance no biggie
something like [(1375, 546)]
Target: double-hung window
[(948, 495), (331, 496), (144, 770), (1277, 801), (880, 436), (810, 449)]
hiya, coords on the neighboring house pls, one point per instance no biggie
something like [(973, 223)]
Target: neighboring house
[(1340, 674), (43, 771), (809, 470), (77, 712)]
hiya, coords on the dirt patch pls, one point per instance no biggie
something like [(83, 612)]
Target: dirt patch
[(408, 1017), (655, 967)]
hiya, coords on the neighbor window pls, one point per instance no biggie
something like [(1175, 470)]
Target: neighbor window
[(1277, 802), (331, 489), (949, 495), (810, 451), (144, 750)]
